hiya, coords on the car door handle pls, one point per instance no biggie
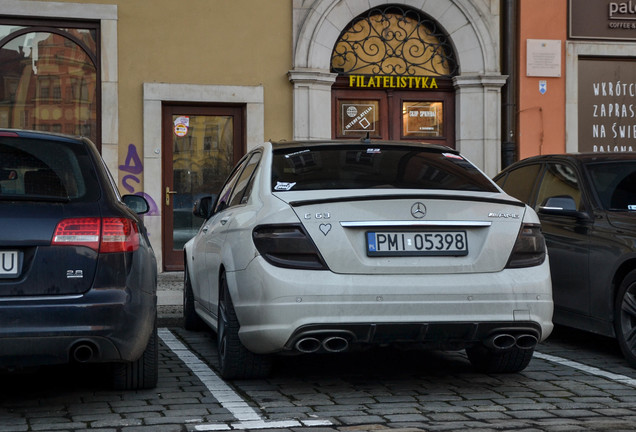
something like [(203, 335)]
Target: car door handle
[(224, 220), (205, 229)]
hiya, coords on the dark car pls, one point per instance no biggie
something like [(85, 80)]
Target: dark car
[(78, 276), (587, 207)]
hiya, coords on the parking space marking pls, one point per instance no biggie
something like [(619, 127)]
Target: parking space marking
[(247, 417), (587, 369)]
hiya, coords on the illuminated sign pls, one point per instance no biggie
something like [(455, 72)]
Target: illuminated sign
[(405, 82)]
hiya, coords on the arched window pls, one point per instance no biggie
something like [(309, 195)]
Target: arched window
[(392, 40), (49, 78)]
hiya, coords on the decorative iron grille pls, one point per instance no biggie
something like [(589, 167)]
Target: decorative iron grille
[(394, 41)]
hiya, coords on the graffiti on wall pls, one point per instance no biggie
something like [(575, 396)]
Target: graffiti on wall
[(132, 180)]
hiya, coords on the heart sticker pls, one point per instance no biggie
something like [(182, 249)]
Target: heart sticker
[(325, 228)]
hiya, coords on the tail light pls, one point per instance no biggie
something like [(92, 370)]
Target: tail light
[(529, 249), (288, 246), (104, 235)]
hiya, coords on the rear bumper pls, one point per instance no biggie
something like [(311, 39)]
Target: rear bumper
[(276, 306), (103, 325)]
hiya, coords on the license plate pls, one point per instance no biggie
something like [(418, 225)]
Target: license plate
[(9, 263), (438, 243)]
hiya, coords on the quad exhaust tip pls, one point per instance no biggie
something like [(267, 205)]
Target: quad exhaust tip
[(505, 341), (332, 344)]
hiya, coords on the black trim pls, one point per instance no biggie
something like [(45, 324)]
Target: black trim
[(409, 197)]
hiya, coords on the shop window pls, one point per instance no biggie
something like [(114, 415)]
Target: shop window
[(49, 77), (422, 119), (358, 117)]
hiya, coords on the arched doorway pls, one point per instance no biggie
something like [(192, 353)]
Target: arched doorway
[(395, 67), (473, 27)]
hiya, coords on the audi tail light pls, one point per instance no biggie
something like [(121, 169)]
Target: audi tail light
[(104, 235)]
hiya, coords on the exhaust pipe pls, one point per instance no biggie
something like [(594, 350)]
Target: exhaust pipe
[(501, 341), (83, 352), (335, 344), (526, 341), (308, 345)]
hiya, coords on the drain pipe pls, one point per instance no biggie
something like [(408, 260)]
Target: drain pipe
[(509, 53)]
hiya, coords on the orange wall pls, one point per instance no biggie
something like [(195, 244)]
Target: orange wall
[(541, 116)]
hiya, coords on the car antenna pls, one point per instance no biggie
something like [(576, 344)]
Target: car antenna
[(366, 139)]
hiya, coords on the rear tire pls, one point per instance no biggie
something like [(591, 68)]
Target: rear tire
[(506, 361), (142, 373), (191, 320), (236, 361), (625, 318)]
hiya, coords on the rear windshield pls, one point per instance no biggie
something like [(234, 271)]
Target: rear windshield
[(45, 170), (360, 167), (615, 184)]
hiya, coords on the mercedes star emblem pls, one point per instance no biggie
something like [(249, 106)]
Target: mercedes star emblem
[(418, 210)]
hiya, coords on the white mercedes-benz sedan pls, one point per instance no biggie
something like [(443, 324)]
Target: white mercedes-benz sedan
[(329, 246)]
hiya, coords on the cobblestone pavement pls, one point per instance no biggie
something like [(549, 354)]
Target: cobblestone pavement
[(576, 382)]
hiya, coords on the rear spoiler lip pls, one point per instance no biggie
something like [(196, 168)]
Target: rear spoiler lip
[(512, 202)]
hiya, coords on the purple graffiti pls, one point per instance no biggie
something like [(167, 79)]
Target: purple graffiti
[(133, 163), (126, 179), (134, 166)]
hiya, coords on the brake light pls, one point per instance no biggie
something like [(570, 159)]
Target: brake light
[(104, 235), (288, 246), (529, 249), (119, 235)]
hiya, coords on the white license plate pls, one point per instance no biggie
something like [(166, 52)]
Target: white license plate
[(440, 243), (9, 263)]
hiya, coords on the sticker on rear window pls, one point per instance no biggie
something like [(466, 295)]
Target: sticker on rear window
[(373, 150), (284, 186), (452, 156), (287, 156)]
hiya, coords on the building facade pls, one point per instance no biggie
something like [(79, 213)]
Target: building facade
[(173, 100), (577, 91)]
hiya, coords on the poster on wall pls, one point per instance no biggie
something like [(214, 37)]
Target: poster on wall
[(607, 105)]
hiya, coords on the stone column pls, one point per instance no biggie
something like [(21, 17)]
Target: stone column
[(478, 119), (312, 103)]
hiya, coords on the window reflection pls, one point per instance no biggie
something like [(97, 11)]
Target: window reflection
[(49, 81)]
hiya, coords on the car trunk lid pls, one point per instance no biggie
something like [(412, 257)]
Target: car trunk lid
[(30, 264), (410, 232)]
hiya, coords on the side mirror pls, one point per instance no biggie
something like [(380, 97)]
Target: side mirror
[(562, 205), (136, 203), (203, 207)]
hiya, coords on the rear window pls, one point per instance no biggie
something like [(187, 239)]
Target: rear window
[(45, 170), (361, 167)]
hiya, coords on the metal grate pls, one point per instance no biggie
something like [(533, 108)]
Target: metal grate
[(394, 41)]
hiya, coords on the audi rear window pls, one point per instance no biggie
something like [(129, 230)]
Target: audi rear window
[(361, 167), (46, 170)]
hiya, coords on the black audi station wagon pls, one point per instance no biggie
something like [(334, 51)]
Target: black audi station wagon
[(78, 276)]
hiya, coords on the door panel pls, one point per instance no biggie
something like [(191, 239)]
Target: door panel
[(201, 145)]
